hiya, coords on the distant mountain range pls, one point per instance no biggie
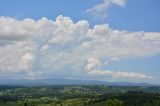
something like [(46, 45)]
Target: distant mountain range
[(63, 81)]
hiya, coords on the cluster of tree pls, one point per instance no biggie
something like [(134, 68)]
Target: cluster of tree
[(79, 96), (114, 103)]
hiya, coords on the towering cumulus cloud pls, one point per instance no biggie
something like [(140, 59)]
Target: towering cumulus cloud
[(43, 48)]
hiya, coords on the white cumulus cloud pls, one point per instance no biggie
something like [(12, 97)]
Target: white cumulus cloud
[(26, 61), (62, 47), (93, 68), (92, 64)]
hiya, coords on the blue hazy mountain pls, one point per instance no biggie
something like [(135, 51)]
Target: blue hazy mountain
[(63, 81)]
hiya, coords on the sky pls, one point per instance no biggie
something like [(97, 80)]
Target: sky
[(108, 40)]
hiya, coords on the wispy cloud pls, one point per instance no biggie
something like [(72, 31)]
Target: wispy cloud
[(100, 10), (120, 74)]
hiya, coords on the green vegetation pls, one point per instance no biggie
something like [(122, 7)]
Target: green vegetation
[(114, 103), (79, 96)]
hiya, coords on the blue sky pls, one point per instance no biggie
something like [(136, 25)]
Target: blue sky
[(139, 15), (118, 40)]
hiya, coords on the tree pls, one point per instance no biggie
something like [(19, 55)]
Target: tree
[(25, 104), (114, 103)]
